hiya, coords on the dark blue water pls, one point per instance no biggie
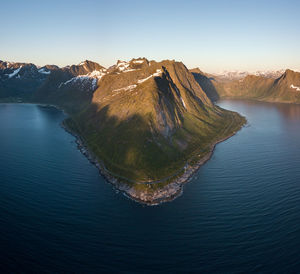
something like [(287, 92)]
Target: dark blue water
[(241, 213)]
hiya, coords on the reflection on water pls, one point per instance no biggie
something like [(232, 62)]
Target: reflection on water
[(288, 111)]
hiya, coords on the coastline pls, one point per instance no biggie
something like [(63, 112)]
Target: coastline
[(269, 101), (167, 193), (38, 104)]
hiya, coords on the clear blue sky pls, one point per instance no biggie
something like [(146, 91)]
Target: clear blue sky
[(213, 35)]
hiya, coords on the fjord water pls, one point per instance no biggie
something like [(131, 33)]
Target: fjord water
[(239, 214)]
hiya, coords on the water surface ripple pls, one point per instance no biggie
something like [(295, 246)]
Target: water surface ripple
[(239, 214)]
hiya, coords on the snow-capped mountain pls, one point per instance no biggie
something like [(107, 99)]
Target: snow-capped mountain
[(21, 79), (85, 75), (18, 79), (9, 70), (269, 73), (127, 66), (231, 75), (236, 75)]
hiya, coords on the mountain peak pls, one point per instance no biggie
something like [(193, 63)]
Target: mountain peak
[(290, 77), (83, 68), (289, 72), (127, 66), (87, 62), (197, 70)]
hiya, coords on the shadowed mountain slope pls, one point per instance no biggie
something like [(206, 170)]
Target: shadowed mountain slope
[(206, 83)]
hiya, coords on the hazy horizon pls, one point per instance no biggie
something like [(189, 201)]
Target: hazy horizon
[(212, 35)]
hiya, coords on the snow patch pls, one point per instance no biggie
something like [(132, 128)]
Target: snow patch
[(131, 87), (92, 77), (138, 61), (295, 87), (42, 70), (14, 73), (156, 74), (122, 65), (129, 70), (81, 79), (145, 79), (183, 103), (97, 74)]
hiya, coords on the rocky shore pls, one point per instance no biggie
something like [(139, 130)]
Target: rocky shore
[(163, 194)]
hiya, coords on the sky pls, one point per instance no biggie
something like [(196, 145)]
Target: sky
[(212, 35)]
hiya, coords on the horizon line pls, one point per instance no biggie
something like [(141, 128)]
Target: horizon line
[(189, 67)]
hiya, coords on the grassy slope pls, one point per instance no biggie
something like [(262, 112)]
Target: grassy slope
[(130, 150)]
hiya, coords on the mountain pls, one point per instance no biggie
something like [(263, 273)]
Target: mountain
[(21, 79), (70, 87), (151, 122), (147, 125), (230, 75), (237, 75), (27, 82), (269, 73), (263, 87), (286, 88)]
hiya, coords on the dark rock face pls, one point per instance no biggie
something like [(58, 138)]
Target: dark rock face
[(206, 83)]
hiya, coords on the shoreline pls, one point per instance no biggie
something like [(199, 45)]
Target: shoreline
[(37, 104), (167, 193), (268, 101), (164, 194)]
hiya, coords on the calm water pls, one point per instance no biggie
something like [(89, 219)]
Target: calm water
[(241, 213)]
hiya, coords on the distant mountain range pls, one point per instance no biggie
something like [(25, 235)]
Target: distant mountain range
[(148, 125), (270, 86), (236, 75)]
